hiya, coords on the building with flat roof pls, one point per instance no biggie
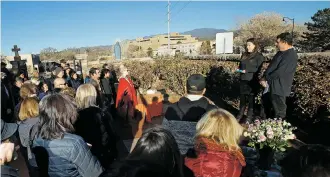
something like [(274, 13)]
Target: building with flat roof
[(187, 49), (154, 42)]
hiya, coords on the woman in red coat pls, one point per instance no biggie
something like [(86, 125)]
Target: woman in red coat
[(216, 152), (126, 95)]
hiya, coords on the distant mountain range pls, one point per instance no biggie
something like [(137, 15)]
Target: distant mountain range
[(204, 33), (200, 33)]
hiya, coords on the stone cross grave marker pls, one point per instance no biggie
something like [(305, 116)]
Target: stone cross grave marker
[(16, 50)]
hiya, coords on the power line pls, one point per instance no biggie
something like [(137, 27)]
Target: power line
[(176, 2), (179, 11)]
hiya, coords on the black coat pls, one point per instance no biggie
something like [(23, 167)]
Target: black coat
[(251, 64), (16, 95), (144, 168), (249, 81), (280, 72), (6, 103), (105, 86), (187, 110), (183, 131), (74, 83), (8, 171), (107, 91), (91, 126)]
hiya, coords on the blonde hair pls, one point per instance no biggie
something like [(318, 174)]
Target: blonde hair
[(220, 126), (86, 96), (69, 91), (27, 90), (29, 108)]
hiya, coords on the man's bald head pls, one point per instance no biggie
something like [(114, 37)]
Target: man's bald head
[(59, 83)]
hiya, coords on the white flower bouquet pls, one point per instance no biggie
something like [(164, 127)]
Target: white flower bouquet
[(273, 133)]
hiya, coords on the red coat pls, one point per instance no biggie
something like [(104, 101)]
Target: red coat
[(130, 99), (214, 160)]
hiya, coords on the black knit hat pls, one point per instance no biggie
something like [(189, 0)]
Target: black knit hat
[(196, 84)]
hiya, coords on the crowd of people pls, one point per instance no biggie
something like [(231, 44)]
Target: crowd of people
[(64, 125)]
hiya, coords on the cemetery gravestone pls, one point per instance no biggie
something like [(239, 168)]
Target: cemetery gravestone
[(18, 65)]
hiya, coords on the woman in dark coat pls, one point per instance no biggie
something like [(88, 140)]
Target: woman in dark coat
[(59, 152), (251, 62), (29, 116), (74, 81), (155, 154), (91, 124)]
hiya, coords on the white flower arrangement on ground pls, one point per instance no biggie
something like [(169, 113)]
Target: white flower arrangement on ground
[(274, 133)]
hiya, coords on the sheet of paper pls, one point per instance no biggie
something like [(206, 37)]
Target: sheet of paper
[(266, 89)]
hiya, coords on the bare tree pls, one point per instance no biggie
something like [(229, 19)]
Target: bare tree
[(265, 27), (48, 53), (67, 54)]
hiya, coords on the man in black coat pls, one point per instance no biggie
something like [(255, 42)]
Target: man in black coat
[(106, 86), (7, 107), (194, 105), (280, 72), (181, 117)]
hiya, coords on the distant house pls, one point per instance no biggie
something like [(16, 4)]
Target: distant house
[(188, 49), (81, 56), (154, 42)]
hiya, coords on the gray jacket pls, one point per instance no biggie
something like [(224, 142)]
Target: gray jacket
[(183, 132), (69, 156), (24, 131)]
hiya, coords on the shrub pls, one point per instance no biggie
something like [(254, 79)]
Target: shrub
[(174, 73), (142, 73), (311, 85), (224, 82)]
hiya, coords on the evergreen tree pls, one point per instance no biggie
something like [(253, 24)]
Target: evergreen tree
[(318, 35)]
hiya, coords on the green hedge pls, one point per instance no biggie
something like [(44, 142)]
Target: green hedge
[(311, 87)]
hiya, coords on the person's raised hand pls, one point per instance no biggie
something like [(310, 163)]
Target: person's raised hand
[(6, 152)]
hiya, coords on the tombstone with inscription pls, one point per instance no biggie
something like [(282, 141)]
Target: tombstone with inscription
[(18, 65), (117, 51)]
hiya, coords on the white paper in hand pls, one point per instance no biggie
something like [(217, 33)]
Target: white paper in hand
[(266, 89)]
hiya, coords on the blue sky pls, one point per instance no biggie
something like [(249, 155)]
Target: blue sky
[(37, 25)]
